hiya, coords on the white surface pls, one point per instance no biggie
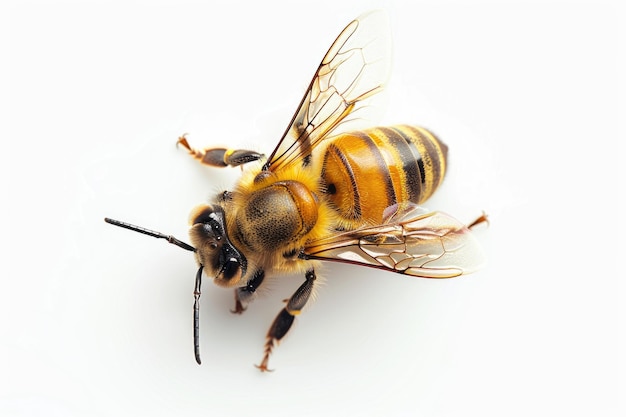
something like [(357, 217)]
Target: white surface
[(97, 320)]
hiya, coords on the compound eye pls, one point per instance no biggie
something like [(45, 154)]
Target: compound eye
[(212, 232)]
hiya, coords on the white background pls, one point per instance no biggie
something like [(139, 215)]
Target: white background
[(97, 320)]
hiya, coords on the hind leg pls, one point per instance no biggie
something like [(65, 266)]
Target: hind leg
[(482, 219)]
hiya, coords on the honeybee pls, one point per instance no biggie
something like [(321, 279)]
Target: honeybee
[(326, 193)]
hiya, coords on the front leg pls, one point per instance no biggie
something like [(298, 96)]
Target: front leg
[(220, 157), (244, 295), (284, 320)]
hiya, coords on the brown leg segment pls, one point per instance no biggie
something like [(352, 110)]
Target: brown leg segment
[(282, 323), (220, 157), (482, 219), (244, 295)]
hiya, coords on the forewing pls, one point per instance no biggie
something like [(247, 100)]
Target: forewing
[(429, 245), (355, 68)]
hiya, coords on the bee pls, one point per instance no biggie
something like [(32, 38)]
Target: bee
[(327, 193)]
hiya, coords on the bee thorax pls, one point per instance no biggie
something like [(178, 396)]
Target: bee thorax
[(278, 215)]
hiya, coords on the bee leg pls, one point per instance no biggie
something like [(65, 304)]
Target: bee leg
[(482, 219), (220, 157), (282, 323), (244, 295)]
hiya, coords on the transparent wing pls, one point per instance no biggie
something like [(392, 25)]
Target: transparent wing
[(429, 245), (355, 67)]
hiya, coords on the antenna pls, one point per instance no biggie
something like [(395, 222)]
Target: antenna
[(171, 239), (196, 292)]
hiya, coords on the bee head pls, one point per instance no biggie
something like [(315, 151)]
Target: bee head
[(221, 260)]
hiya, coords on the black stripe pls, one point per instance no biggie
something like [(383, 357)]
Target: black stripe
[(431, 145), (411, 159), (420, 160), (390, 192), (357, 199)]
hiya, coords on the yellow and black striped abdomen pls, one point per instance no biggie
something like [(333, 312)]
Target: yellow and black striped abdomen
[(366, 172)]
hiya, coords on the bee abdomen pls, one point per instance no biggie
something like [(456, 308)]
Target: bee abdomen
[(366, 172)]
